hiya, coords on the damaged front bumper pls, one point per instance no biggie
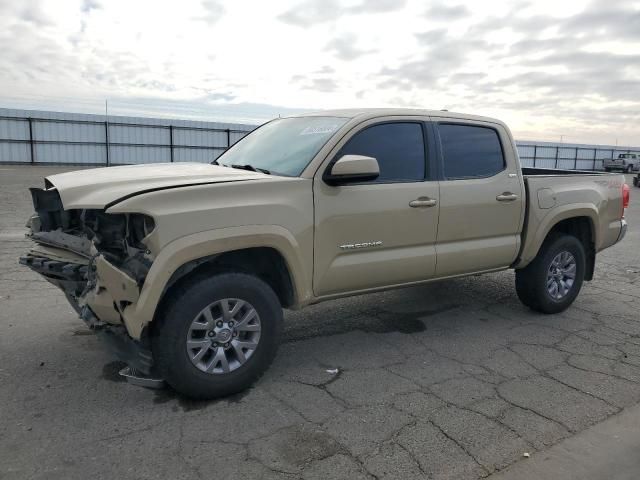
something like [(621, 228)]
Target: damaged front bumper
[(96, 306), (100, 262)]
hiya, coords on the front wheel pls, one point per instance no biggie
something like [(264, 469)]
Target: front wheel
[(629, 168), (217, 334), (552, 281)]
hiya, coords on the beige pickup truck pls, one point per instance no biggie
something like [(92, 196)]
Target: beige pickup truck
[(185, 268)]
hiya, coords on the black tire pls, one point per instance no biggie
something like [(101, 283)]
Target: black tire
[(607, 169), (171, 327), (531, 281), (629, 168), (636, 181)]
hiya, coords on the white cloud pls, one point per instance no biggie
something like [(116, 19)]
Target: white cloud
[(546, 67)]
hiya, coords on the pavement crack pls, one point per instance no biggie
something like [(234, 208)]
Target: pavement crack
[(462, 447), (592, 395), (540, 414)]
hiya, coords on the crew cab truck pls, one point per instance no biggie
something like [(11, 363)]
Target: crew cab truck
[(626, 162), (185, 268)]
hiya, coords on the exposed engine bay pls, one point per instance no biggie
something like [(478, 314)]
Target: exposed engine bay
[(99, 260)]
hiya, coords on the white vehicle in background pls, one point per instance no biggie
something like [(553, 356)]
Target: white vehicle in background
[(627, 162)]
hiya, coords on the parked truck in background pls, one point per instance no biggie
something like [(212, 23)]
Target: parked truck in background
[(186, 268), (626, 162)]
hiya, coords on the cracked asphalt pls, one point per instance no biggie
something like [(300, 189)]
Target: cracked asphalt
[(451, 380)]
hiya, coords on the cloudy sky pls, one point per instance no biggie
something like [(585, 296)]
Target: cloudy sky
[(547, 67)]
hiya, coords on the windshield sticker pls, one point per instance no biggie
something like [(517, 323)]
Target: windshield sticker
[(320, 130)]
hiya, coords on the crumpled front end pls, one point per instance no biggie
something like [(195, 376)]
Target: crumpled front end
[(99, 260)]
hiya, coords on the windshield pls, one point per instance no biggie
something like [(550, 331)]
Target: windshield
[(284, 146), (625, 155)]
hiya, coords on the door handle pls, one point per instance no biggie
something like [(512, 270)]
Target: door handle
[(507, 197), (423, 202)]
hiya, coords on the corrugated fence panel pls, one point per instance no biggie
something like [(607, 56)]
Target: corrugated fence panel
[(202, 155), (526, 150), (68, 132), (73, 154), (138, 135), (119, 155), (584, 164), (566, 152), (546, 152), (526, 162), (602, 154), (73, 138), (202, 138), (566, 164), (545, 163), (15, 152), (235, 136), (14, 129), (585, 153)]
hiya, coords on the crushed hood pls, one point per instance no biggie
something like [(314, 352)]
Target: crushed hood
[(101, 187)]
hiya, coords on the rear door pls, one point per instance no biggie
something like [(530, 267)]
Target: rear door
[(481, 197), (381, 232)]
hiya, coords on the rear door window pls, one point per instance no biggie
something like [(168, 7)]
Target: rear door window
[(470, 151)]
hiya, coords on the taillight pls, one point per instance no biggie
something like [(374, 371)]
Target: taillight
[(626, 196)]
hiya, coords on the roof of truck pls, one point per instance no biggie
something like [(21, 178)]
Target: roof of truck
[(364, 113)]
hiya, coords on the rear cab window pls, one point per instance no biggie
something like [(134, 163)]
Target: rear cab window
[(470, 151)]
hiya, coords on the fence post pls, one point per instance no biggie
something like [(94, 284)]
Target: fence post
[(595, 155), (171, 142), (557, 150), (228, 138), (535, 155), (575, 160), (31, 146), (106, 139)]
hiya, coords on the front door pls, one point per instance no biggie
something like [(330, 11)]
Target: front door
[(381, 232)]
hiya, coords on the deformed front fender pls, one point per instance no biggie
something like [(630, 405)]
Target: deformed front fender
[(203, 244)]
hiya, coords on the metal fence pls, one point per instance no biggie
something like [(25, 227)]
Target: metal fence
[(57, 138), (79, 139), (568, 156)]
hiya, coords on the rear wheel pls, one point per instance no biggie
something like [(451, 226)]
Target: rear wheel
[(217, 335), (607, 169), (552, 281)]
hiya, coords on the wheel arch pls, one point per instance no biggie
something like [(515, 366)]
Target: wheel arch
[(580, 223), (266, 263), (222, 250), (584, 230)]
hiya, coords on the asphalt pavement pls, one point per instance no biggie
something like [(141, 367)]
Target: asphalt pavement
[(452, 380)]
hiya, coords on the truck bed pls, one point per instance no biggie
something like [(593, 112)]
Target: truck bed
[(530, 172), (555, 195)]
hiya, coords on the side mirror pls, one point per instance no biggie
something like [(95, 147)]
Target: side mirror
[(352, 168)]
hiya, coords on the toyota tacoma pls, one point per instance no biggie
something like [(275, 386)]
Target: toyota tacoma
[(185, 268)]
